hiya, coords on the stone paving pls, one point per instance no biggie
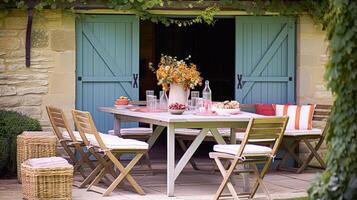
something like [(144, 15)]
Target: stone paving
[(191, 185)]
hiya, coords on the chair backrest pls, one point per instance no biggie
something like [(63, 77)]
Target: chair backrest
[(269, 128), (321, 116), (85, 125), (59, 123), (322, 112)]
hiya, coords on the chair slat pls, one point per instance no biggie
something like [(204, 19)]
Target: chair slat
[(267, 125), (321, 106), (264, 136), (265, 130)]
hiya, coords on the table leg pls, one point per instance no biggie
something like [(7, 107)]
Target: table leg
[(170, 160), (117, 124), (190, 151), (157, 132)]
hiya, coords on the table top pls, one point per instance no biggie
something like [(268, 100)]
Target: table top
[(187, 116)]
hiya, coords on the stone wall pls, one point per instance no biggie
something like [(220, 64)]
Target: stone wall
[(311, 58), (50, 80)]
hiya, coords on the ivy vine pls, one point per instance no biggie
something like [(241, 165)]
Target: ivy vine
[(208, 9), (339, 180)]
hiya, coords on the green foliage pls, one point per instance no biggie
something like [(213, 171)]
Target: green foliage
[(339, 180), (11, 125), (209, 9)]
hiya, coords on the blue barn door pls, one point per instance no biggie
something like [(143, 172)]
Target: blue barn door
[(265, 59), (107, 63)]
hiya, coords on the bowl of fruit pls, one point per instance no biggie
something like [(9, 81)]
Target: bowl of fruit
[(122, 102), (226, 107), (177, 108)]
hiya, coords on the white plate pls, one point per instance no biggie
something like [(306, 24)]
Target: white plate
[(223, 111)]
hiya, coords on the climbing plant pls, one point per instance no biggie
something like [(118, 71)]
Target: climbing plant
[(208, 9), (339, 180)]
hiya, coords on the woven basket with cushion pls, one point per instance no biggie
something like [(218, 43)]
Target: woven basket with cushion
[(47, 178), (34, 145)]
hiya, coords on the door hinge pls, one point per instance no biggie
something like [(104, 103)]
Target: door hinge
[(239, 81), (79, 78), (135, 80), (290, 78)]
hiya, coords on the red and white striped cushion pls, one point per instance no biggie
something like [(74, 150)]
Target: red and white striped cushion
[(300, 117)]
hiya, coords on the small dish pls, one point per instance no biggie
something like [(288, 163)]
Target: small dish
[(176, 111), (123, 106), (223, 111)]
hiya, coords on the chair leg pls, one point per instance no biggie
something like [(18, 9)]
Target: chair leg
[(124, 174), (262, 174), (148, 162), (91, 176), (260, 180), (313, 153), (184, 148), (226, 177), (289, 152), (229, 184)]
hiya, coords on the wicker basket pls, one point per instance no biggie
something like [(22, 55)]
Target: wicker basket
[(34, 145), (46, 181)]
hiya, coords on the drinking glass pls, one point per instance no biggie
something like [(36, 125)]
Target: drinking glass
[(148, 93), (194, 96), (152, 101), (200, 105)]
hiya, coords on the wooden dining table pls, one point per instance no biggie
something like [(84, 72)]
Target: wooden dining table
[(207, 123)]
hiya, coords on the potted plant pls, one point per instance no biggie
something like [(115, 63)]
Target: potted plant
[(177, 77)]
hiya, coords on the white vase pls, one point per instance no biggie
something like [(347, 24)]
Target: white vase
[(178, 94)]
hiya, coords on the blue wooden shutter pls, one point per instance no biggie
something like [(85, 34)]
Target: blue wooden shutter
[(107, 63), (265, 59)]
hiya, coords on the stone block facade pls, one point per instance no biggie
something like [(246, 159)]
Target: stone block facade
[(311, 58), (50, 80)]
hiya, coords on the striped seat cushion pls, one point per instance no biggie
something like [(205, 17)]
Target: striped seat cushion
[(300, 116), (249, 149), (314, 131)]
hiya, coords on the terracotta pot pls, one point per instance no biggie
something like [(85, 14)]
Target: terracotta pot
[(178, 94)]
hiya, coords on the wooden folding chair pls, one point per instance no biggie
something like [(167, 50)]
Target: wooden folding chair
[(184, 136), (249, 155), (112, 147), (320, 118), (69, 140)]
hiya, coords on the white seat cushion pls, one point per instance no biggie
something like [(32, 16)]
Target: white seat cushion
[(314, 131), (76, 134), (133, 131), (115, 142), (249, 150), (47, 162)]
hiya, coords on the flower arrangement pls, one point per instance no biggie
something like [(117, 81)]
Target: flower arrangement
[(171, 70)]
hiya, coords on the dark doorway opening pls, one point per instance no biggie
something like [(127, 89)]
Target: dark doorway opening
[(212, 49)]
